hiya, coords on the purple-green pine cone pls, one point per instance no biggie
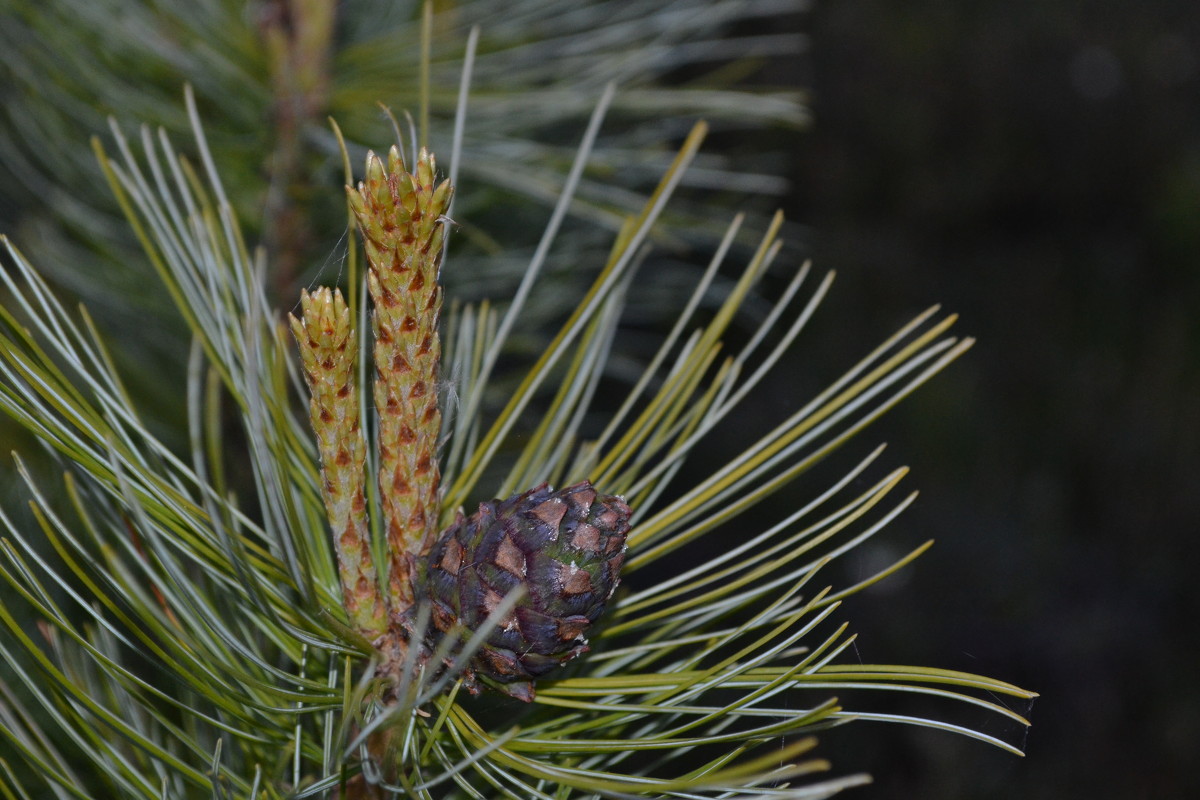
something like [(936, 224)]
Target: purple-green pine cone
[(565, 547)]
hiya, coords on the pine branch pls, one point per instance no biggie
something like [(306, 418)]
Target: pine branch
[(185, 645)]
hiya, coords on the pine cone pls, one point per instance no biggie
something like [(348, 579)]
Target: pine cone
[(565, 547)]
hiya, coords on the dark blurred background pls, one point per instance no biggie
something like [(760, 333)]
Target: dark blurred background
[(1035, 166)]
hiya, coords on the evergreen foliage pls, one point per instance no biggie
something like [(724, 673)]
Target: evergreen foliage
[(195, 636)]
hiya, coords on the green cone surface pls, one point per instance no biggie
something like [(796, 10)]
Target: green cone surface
[(566, 548)]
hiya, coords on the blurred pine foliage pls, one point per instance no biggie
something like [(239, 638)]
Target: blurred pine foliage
[(267, 75)]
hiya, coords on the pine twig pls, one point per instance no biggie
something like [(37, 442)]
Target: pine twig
[(326, 339), (400, 215)]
